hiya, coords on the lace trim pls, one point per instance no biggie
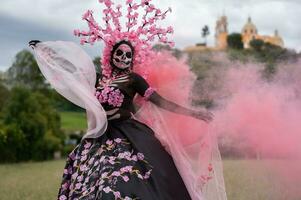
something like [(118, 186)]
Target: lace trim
[(148, 93)]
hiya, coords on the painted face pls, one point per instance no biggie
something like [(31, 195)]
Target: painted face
[(123, 56)]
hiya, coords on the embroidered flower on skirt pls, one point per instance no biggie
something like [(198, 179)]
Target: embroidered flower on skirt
[(94, 170), (110, 95), (148, 93)]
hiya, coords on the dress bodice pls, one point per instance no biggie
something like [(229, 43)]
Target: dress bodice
[(116, 95)]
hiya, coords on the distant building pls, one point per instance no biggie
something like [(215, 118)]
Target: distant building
[(249, 32), (221, 33)]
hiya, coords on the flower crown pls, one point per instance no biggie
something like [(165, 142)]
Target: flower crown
[(140, 36)]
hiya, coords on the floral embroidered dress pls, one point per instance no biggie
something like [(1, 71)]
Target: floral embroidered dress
[(128, 161)]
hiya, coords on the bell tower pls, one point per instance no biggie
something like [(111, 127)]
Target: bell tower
[(221, 33)]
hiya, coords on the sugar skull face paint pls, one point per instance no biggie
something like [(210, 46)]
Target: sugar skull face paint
[(122, 57)]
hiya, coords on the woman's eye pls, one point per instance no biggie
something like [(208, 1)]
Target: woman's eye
[(128, 54), (119, 52)]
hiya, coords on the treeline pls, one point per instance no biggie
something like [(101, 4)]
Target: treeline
[(262, 52), (30, 125)]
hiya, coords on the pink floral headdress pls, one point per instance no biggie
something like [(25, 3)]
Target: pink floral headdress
[(140, 36)]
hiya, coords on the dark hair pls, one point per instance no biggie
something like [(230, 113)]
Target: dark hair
[(117, 45)]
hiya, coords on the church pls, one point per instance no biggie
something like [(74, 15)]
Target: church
[(249, 32)]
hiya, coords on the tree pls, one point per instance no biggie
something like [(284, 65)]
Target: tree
[(31, 127), (234, 41), (174, 51), (4, 95), (257, 44), (25, 72), (205, 33)]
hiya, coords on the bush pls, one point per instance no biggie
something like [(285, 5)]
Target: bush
[(257, 45), (31, 127), (234, 41), (12, 143), (4, 95)]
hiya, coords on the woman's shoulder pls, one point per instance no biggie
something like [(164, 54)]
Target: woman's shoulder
[(136, 77)]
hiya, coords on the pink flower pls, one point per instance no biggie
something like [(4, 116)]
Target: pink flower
[(80, 178), (62, 197), (83, 41), (116, 173), (117, 195), (147, 174), (83, 168), (140, 156), (87, 14), (88, 144), (117, 140), (83, 158), (74, 175), (78, 186), (91, 161), (69, 170), (135, 7), (108, 3), (107, 189), (134, 158), (125, 178), (72, 155), (109, 142), (65, 186), (86, 151), (170, 29), (76, 32)]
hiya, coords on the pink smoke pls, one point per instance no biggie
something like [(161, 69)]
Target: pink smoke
[(252, 112), (266, 114)]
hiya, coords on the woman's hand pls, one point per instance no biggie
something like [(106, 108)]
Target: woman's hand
[(204, 115), (33, 43)]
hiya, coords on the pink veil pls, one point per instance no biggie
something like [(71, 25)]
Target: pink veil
[(72, 73), (191, 142)]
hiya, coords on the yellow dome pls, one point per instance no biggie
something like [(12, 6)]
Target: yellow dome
[(250, 28)]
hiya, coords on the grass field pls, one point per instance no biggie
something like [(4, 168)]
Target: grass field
[(73, 121), (245, 180)]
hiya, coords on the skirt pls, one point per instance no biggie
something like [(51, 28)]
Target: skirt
[(126, 163)]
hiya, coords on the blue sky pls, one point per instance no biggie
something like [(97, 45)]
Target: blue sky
[(23, 20)]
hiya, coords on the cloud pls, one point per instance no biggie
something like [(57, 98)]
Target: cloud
[(22, 20)]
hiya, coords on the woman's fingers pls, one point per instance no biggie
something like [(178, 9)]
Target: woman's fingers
[(33, 43)]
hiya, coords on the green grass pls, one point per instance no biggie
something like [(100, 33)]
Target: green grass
[(73, 121), (245, 180), (30, 181)]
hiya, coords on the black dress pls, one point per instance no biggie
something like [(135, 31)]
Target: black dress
[(126, 162)]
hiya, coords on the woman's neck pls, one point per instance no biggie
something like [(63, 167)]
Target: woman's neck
[(119, 72)]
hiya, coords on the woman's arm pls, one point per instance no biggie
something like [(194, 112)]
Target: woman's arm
[(142, 88), (173, 107)]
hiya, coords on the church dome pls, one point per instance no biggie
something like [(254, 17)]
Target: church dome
[(249, 28), (278, 39)]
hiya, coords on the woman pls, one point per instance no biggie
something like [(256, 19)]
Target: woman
[(121, 157)]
